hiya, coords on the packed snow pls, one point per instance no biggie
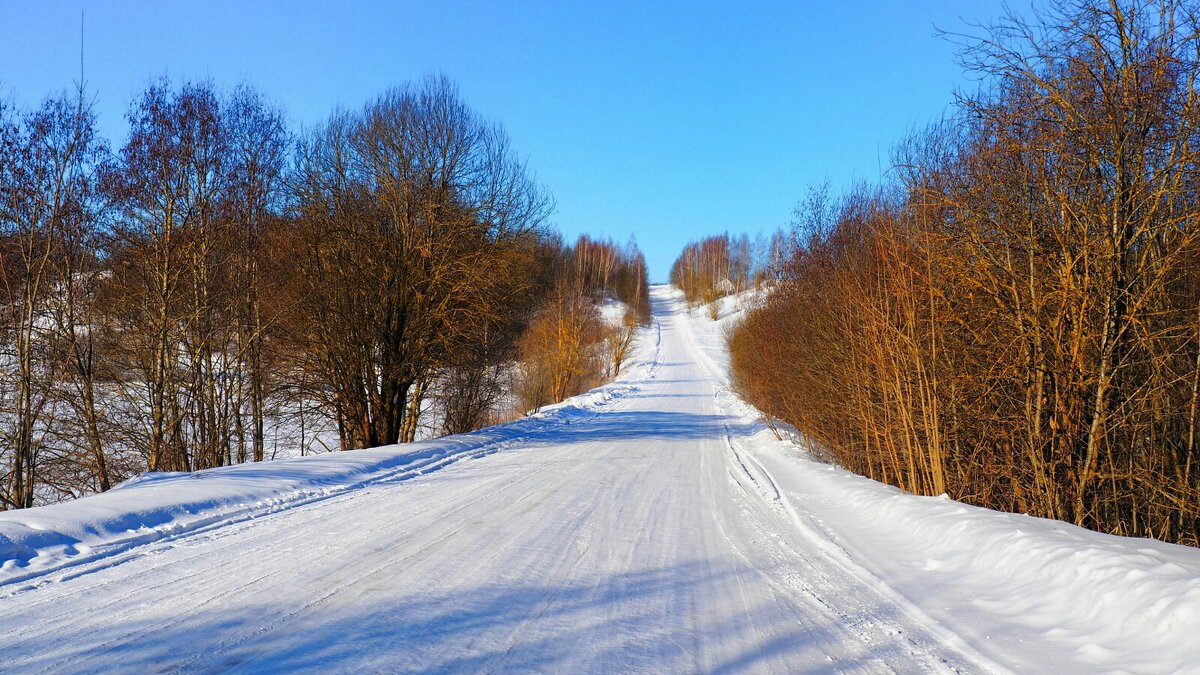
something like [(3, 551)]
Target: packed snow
[(654, 524)]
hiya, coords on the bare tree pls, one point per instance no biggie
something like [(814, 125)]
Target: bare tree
[(417, 210), (258, 146), (44, 195), (167, 185)]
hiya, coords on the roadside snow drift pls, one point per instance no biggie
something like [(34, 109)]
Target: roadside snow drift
[(655, 524)]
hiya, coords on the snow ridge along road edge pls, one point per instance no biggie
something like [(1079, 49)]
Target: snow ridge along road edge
[(770, 491), (1019, 590), (63, 541)]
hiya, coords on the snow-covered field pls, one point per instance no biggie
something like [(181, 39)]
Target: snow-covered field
[(654, 524)]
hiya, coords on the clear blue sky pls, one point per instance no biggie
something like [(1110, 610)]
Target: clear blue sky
[(665, 120)]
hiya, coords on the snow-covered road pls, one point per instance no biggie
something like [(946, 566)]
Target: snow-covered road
[(654, 525)]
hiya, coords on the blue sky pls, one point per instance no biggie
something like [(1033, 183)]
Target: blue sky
[(668, 121)]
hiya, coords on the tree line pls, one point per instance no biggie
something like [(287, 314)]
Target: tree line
[(721, 265), (221, 283), (1014, 317), (568, 347)]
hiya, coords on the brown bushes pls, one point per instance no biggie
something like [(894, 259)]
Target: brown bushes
[(568, 348), (561, 352), (1017, 322)]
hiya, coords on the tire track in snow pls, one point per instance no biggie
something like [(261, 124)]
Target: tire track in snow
[(663, 547), (229, 548), (224, 541), (767, 492)]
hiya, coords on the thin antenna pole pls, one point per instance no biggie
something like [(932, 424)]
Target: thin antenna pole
[(79, 87)]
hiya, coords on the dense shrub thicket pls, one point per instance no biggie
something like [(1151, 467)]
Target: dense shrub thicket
[(1015, 320), (568, 348)]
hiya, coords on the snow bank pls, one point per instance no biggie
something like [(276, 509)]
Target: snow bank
[(155, 506), (1009, 591), (1121, 602), (612, 311), (1025, 591), (1032, 593)]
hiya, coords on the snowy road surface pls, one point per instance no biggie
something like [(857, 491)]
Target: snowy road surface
[(654, 525)]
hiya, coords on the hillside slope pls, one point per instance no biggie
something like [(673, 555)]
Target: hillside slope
[(654, 524)]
